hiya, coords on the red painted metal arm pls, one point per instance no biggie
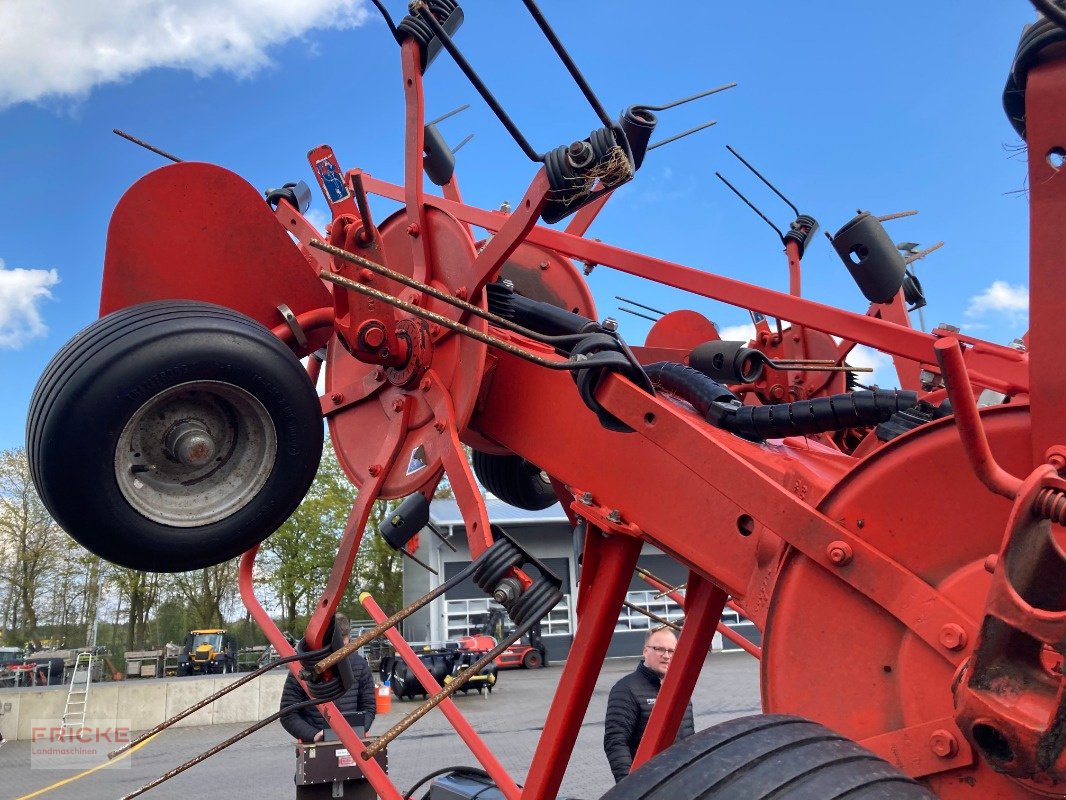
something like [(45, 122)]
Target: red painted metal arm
[(608, 564), (383, 786), (996, 367), (705, 604), (466, 732)]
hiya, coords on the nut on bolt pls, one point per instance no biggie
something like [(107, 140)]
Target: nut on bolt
[(397, 405), (586, 498), (507, 591), (615, 516), (839, 553), (952, 636), (610, 324), (943, 743)]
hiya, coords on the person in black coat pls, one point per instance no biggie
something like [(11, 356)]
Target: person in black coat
[(631, 700), (358, 704)]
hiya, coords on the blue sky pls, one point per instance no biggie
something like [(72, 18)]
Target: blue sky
[(843, 105)]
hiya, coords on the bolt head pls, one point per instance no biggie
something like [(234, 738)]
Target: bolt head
[(946, 326), (374, 470), (943, 743), (374, 337), (336, 397), (426, 385), (839, 553), (397, 404), (952, 636), (413, 229), (991, 562)]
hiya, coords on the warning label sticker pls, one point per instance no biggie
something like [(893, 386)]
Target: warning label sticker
[(418, 460)]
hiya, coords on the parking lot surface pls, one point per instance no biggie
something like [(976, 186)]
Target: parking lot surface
[(261, 766)]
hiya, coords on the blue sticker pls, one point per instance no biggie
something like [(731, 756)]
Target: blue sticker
[(332, 180)]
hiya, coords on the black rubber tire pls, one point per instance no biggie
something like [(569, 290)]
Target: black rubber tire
[(103, 376), (532, 660), (767, 756), (514, 480)]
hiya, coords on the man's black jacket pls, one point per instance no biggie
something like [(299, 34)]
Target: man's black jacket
[(628, 708), (358, 704)]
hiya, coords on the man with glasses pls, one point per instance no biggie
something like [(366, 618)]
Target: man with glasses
[(632, 699)]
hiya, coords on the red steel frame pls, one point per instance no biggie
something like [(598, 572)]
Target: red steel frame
[(758, 504)]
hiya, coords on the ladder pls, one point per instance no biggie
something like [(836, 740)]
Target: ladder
[(78, 693)]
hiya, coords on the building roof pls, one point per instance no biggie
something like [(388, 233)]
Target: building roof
[(446, 512)]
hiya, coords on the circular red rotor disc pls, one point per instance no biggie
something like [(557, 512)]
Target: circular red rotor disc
[(831, 654), (359, 430)]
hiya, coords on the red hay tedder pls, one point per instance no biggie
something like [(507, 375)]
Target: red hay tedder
[(181, 429)]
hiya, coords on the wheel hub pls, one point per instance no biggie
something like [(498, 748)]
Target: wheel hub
[(195, 454)]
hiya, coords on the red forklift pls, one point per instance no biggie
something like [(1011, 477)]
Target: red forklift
[(529, 654)]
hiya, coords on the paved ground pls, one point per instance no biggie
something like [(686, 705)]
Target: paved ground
[(261, 766)]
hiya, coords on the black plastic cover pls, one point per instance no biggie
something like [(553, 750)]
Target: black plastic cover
[(871, 257), (411, 516)]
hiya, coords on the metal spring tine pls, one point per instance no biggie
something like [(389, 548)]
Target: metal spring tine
[(386, 15), (661, 595), (690, 98), (568, 62), (683, 134), (922, 253), (809, 367), (897, 215), (750, 205), (146, 146), (637, 314), (434, 528), (759, 175), (651, 615), (451, 113), (192, 762), (399, 616), (459, 681), (459, 146), (475, 80), (458, 327), (206, 702), (498, 321), (418, 561), (639, 305)]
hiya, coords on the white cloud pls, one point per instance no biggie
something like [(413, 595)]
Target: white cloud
[(319, 218), (1000, 298), (64, 48), (744, 332), (884, 371), (21, 291)]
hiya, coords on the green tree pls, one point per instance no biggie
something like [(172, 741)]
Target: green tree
[(140, 592), (208, 593), (31, 542)]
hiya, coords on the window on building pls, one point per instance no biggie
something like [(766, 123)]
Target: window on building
[(632, 620), (466, 617)]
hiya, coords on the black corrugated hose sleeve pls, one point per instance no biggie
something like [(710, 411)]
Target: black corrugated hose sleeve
[(689, 384), (722, 408), (819, 415)]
